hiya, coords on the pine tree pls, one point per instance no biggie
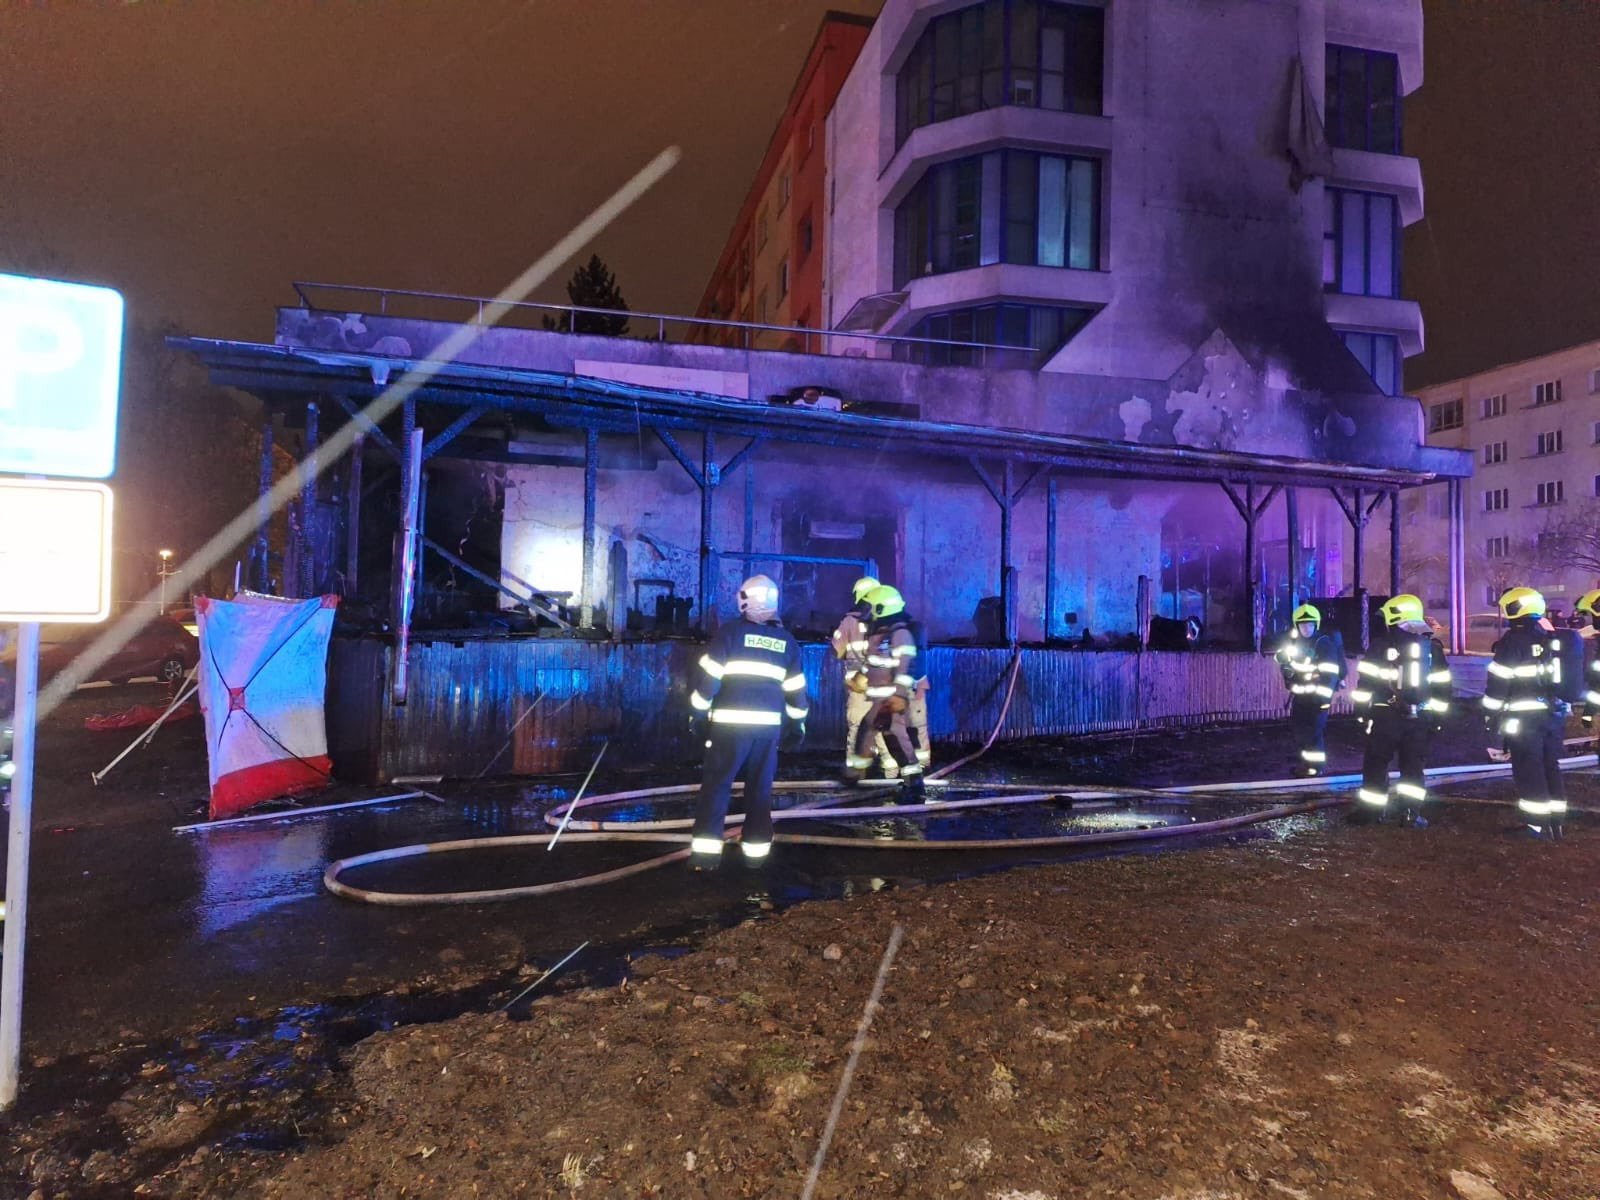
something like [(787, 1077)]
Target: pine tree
[(593, 286)]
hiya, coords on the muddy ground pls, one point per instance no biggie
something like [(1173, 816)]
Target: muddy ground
[(1340, 1011)]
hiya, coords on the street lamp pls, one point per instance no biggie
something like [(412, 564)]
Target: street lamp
[(166, 569)]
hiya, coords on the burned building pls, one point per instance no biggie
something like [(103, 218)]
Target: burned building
[(1096, 354)]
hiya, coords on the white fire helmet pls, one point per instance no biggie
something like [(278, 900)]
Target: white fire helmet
[(758, 598)]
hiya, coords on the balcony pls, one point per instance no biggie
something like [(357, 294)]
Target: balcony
[(1377, 314)]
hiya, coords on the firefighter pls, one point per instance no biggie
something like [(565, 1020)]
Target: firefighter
[(1403, 695), (917, 713), (750, 690), (1589, 605), (1313, 667), (850, 647), (1523, 702), (890, 677)]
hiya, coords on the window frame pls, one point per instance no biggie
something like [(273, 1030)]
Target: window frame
[(1496, 500), (1336, 244), (1336, 104), (1547, 443), (1550, 493), (1495, 453), (1439, 413), (1546, 393)]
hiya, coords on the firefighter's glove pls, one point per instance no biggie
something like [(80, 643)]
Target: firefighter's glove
[(856, 681), (1496, 754), (794, 734)]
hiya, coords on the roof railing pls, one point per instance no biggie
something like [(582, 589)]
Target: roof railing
[(801, 338)]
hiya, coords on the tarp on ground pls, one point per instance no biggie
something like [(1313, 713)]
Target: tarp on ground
[(263, 675)]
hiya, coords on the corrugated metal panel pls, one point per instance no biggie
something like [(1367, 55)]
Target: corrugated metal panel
[(467, 697)]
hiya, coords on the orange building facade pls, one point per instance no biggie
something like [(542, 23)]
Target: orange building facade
[(770, 271)]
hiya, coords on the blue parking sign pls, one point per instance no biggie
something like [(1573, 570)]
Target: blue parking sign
[(60, 376)]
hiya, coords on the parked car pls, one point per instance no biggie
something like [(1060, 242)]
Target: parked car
[(1483, 631), (163, 650)]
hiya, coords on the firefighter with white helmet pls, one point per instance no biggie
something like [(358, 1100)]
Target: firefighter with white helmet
[(750, 691), (1313, 667), (890, 675), (1536, 675), (849, 643), (1589, 605), (1402, 695)]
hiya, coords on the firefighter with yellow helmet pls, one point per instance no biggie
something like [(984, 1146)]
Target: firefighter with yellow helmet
[(1402, 696), (1589, 605), (1534, 680), (889, 676), (1313, 667), (849, 643)]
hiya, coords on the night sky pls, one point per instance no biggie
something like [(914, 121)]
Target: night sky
[(201, 157)]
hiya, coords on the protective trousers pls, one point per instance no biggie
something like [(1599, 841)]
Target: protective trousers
[(734, 754), (1308, 722), (1536, 767), (917, 723), (856, 707), (1390, 733), (896, 736)]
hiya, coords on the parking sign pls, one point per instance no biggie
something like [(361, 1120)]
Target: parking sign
[(60, 373)]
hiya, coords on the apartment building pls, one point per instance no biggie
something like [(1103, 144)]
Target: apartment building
[(1533, 428)]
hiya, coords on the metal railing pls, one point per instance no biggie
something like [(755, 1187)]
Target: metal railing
[(799, 339)]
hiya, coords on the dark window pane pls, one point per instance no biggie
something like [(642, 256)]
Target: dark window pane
[(1086, 36), (1383, 101), (1353, 97)]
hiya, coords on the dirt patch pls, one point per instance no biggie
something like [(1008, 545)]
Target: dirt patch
[(1358, 1014)]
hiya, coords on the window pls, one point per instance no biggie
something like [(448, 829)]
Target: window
[(1033, 53), (1548, 443), (1362, 99), (1594, 381), (1493, 406), (1379, 353), (1497, 500), (1444, 416), (1360, 243), (1041, 328), (1547, 393), (761, 230), (805, 237), (1498, 547), (1494, 452), (1554, 492), (1597, 433), (955, 217), (783, 279), (785, 190)]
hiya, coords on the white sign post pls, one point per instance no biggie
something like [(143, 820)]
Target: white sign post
[(60, 381)]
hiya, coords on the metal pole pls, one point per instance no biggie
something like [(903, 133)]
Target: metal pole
[(591, 479), (1458, 569), (308, 506), (1250, 566), (352, 519), (1050, 559), (750, 507), (262, 556), (406, 566), (16, 914), (421, 536), (709, 477), (1359, 525), (1394, 542), (1291, 518), (1007, 608)]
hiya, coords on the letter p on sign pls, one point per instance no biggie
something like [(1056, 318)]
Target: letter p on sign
[(60, 376)]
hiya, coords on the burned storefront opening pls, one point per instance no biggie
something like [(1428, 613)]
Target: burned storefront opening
[(565, 516)]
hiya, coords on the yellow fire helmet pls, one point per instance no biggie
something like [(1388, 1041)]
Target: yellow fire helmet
[(1397, 610), (861, 587), (1521, 602), (1589, 603), (885, 602), (1308, 612)]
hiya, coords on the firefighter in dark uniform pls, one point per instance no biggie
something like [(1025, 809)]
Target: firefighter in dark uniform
[(1402, 695), (1589, 605), (750, 691), (1313, 667), (890, 675), (1523, 702)]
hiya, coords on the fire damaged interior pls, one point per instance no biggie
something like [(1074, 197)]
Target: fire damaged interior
[(557, 515)]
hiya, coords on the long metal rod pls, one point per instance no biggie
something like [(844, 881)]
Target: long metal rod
[(709, 474), (1050, 559), (189, 688), (591, 478), (527, 601), (567, 816), (406, 569), (525, 991), (1458, 569), (17, 850)]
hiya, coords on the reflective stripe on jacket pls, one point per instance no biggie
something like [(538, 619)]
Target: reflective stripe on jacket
[(751, 675)]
